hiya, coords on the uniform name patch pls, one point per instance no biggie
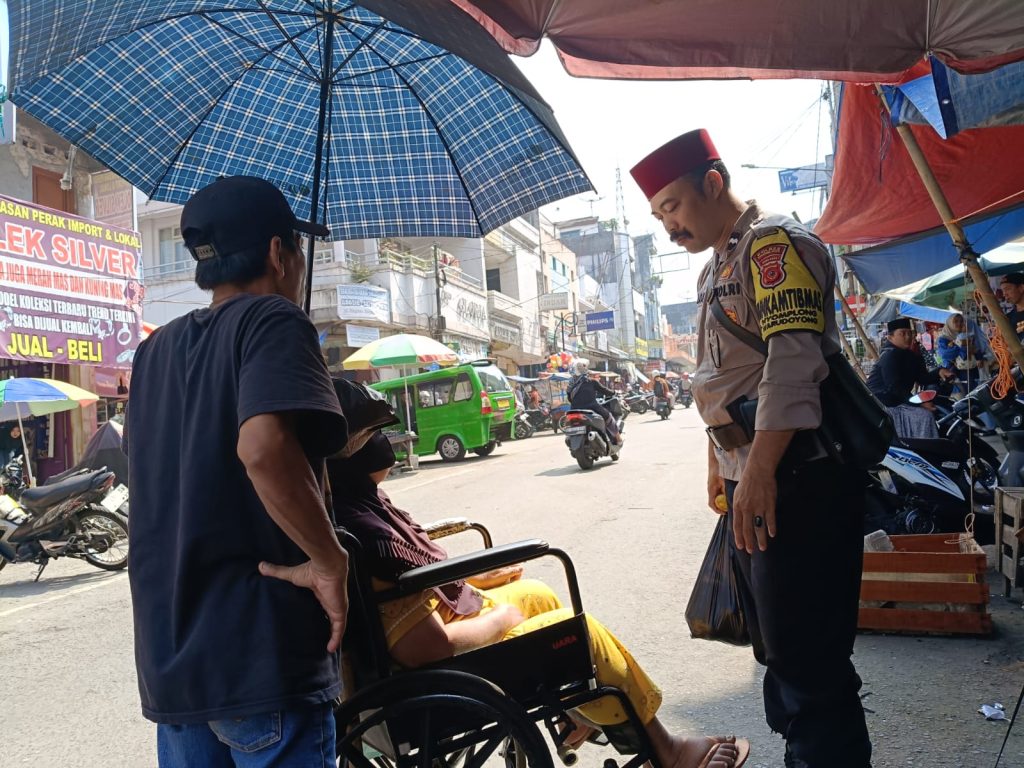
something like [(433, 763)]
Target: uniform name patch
[(786, 295)]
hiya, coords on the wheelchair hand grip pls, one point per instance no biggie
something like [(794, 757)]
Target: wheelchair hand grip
[(450, 526), (464, 566)]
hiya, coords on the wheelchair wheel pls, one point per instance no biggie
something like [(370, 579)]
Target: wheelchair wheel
[(439, 718)]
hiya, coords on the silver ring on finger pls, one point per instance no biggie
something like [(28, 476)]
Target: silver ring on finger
[(758, 521)]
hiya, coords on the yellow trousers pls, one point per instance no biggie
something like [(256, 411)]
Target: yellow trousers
[(614, 665)]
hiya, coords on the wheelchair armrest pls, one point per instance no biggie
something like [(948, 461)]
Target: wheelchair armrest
[(464, 566)]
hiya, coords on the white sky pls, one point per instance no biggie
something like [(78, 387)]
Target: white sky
[(613, 123)]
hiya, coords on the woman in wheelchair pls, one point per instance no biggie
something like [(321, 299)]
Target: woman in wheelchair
[(460, 617)]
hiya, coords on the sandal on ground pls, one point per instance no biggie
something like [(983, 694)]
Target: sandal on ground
[(742, 753)]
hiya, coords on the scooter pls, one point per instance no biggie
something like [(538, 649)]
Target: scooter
[(587, 437), (685, 398), (909, 494), (663, 407)]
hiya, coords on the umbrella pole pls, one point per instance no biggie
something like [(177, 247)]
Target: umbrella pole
[(24, 446), (325, 92), (956, 232), (408, 410)]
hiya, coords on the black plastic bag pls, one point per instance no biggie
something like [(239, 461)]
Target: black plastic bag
[(714, 611)]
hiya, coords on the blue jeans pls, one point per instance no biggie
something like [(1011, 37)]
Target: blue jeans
[(287, 739)]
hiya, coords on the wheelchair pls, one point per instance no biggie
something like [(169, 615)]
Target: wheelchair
[(487, 704)]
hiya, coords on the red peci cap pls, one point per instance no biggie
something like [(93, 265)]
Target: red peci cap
[(670, 161)]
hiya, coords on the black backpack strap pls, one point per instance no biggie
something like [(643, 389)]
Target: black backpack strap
[(752, 340)]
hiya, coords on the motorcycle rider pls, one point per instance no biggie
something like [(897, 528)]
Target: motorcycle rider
[(662, 389), (583, 393), (534, 396)]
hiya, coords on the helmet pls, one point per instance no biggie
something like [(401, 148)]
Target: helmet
[(581, 366)]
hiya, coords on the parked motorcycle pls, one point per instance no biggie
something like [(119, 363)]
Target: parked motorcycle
[(929, 486), (540, 418), (75, 517), (523, 426), (587, 437), (638, 402), (922, 486)]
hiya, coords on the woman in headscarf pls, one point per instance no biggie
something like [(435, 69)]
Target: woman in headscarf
[(955, 349), (459, 617)]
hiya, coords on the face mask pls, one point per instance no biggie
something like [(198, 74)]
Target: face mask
[(355, 443)]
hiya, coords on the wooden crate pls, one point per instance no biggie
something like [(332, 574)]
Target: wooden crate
[(933, 584), (1009, 508)]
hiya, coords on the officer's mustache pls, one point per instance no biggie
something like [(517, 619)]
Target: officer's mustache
[(680, 234)]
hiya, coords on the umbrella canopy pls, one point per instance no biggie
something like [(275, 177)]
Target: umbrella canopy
[(858, 40), (376, 118), (25, 397), (403, 349)]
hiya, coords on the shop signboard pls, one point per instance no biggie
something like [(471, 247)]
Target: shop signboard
[(641, 347), (465, 312), (70, 288), (553, 302), (113, 200), (362, 301), (359, 336), (600, 321), (506, 332)]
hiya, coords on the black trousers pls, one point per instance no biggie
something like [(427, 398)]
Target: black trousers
[(800, 598)]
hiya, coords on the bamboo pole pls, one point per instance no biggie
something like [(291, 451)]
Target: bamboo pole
[(956, 232), (869, 346)]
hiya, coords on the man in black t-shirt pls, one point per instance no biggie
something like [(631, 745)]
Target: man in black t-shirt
[(238, 582), (1012, 286)]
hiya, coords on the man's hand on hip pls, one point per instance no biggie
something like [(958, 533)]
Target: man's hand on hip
[(329, 585)]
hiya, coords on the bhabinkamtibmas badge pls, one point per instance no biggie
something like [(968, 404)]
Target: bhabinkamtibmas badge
[(786, 295)]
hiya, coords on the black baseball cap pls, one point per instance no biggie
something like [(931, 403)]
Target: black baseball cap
[(1013, 278), (236, 214)]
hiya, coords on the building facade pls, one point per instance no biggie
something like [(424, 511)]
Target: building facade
[(68, 308)]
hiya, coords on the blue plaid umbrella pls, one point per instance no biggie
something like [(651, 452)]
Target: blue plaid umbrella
[(377, 118)]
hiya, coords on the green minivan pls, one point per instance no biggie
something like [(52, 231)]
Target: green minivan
[(469, 407)]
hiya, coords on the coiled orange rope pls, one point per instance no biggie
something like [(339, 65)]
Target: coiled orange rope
[(1003, 383)]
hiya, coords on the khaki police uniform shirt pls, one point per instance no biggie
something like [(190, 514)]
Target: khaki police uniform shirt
[(775, 281)]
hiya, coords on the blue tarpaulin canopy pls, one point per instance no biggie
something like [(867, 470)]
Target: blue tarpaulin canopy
[(951, 102), (901, 262), (950, 287)]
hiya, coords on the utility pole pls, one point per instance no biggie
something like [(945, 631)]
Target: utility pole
[(439, 324)]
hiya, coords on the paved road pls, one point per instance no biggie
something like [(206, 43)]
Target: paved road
[(637, 531)]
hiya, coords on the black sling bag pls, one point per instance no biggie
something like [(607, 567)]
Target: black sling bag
[(855, 427)]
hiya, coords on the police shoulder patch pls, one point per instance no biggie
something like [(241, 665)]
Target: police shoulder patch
[(786, 295)]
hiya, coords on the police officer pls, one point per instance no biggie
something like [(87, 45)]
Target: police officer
[(796, 514)]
